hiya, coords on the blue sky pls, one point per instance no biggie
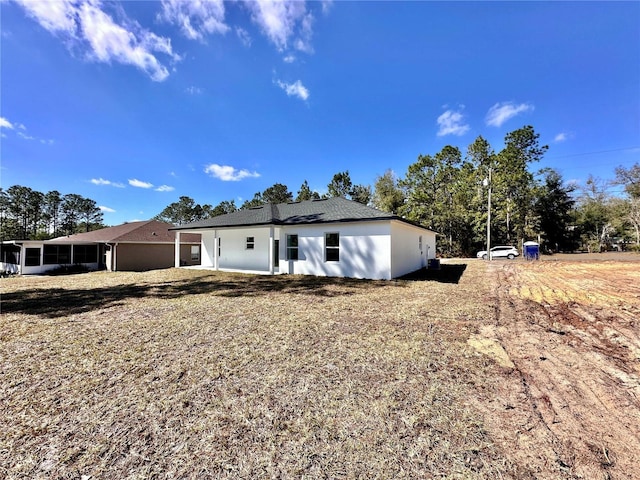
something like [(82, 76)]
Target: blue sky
[(134, 104)]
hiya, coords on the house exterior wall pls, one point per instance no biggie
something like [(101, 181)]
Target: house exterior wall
[(406, 254), (137, 257), (42, 268), (364, 250), (234, 254)]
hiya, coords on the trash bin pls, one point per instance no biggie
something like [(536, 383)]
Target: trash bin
[(531, 251)]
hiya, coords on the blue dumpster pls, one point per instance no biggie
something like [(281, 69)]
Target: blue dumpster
[(531, 250)]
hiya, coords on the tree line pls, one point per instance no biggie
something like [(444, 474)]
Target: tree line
[(26, 214), (446, 191)]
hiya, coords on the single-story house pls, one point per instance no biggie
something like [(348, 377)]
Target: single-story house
[(327, 237), (133, 246)]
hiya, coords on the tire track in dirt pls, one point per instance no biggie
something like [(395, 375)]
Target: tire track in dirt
[(569, 408)]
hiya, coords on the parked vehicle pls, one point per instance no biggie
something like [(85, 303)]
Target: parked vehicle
[(502, 251)]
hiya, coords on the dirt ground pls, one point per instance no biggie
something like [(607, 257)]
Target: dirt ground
[(567, 336)]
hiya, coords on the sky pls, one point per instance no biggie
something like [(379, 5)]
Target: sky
[(134, 104)]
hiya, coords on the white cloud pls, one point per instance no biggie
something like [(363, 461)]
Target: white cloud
[(193, 90), (501, 112), (196, 18), (4, 123), (294, 89), (106, 209), (280, 20), (227, 173), (289, 59), (165, 188), (561, 137), (244, 36), (451, 123), (102, 181), (139, 183), (87, 24)]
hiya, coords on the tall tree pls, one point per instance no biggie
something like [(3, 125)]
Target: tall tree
[(52, 205), (341, 185), (387, 195), (71, 208), (277, 193), (630, 179), (305, 193), (178, 213), (594, 216), (223, 208), (554, 207), (514, 181), (361, 194), (90, 214)]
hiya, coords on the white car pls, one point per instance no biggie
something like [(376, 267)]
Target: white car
[(503, 251)]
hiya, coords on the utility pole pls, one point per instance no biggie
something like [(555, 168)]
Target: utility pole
[(489, 216)]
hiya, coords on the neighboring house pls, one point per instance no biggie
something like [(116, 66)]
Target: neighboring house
[(328, 237), (134, 246)]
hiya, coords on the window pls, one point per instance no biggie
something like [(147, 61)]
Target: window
[(32, 257), (219, 245), (250, 243), (292, 247), (332, 247), (420, 243), (57, 254), (85, 254), (195, 253)]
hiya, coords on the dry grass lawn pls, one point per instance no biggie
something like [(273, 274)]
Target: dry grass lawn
[(199, 374)]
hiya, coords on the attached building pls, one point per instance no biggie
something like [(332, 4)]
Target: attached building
[(133, 246), (328, 237)]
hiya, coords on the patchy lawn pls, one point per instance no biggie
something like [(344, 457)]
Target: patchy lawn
[(481, 370), (191, 374)]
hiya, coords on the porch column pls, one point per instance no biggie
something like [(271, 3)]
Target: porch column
[(271, 245), (177, 249), (216, 249)]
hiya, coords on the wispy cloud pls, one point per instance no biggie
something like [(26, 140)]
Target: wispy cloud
[(165, 188), (106, 209), (244, 36), (289, 58), (562, 137), (87, 25), (193, 90), (503, 111), (296, 89), (20, 131), (102, 181), (195, 18), (286, 23), (227, 173), (451, 122), (134, 182)]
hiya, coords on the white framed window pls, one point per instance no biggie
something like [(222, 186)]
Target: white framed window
[(251, 243), (332, 247), (292, 247), (195, 253)]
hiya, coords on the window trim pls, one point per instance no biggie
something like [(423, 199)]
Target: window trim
[(332, 248), (27, 263), (293, 248), (196, 257)]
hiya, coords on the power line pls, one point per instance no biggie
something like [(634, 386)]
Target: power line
[(593, 153)]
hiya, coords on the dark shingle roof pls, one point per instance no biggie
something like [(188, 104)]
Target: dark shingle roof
[(330, 210)]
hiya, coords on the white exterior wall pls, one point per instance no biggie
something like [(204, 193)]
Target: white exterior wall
[(406, 256), (364, 250), (235, 256), (207, 248)]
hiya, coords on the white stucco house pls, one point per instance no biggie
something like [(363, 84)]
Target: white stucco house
[(329, 237)]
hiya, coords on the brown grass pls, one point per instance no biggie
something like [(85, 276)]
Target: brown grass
[(196, 374)]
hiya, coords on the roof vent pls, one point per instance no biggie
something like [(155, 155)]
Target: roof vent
[(256, 208), (319, 199)]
